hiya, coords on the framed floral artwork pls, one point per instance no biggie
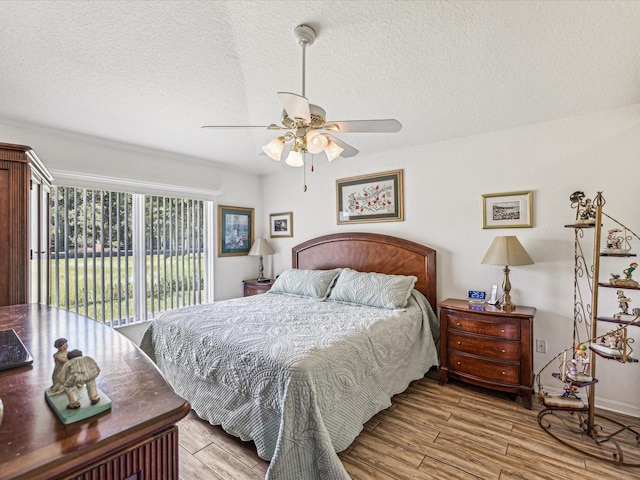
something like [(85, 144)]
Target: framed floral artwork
[(507, 210), (281, 224), (370, 198), (235, 230)]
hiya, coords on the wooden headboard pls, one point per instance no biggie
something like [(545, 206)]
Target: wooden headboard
[(370, 252)]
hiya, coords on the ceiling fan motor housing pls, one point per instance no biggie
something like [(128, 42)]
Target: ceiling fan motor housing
[(317, 114), (305, 35)]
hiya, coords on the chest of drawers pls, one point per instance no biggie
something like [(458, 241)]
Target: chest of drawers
[(253, 287), (483, 345)]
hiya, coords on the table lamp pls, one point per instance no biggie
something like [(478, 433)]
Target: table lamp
[(507, 250), (259, 248)]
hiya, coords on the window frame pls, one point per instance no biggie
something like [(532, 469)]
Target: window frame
[(140, 189)]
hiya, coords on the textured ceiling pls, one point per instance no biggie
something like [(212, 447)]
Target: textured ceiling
[(150, 73)]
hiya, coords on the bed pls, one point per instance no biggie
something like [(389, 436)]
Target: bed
[(300, 369)]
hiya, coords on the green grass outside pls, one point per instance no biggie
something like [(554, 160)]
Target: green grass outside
[(175, 268)]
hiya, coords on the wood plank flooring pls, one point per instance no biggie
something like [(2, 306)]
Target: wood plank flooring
[(456, 431)]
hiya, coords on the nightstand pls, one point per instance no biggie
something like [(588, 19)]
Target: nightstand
[(483, 345), (253, 287)]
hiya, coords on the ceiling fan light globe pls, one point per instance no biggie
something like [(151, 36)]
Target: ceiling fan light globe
[(274, 148), (333, 151), (316, 142), (294, 159)]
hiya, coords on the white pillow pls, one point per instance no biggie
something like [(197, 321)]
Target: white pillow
[(305, 283), (373, 289)]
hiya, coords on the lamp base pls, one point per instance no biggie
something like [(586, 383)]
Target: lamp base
[(508, 307), (263, 280)]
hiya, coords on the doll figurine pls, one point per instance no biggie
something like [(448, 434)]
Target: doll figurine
[(60, 358), (76, 371), (623, 302)]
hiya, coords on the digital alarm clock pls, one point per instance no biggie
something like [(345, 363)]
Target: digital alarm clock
[(476, 296)]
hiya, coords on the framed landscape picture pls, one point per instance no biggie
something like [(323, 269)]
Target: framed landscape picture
[(370, 198), (281, 224), (507, 210), (235, 230)]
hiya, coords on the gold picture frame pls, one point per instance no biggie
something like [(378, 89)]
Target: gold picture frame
[(376, 197), (281, 224), (235, 230), (507, 210)]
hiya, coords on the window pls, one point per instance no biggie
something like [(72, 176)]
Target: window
[(123, 257)]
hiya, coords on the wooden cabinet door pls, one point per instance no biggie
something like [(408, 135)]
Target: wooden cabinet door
[(14, 178), (21, 223)]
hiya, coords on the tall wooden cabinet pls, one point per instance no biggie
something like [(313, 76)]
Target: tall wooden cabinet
[(24, 226)]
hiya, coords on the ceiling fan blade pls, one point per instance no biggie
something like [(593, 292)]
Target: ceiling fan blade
[(389, 125), (295, 105), (349, 151), (273, 126)]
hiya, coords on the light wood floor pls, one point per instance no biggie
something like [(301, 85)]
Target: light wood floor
[(455, 431)]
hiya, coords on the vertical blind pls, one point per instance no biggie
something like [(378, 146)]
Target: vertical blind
[(120, 257)]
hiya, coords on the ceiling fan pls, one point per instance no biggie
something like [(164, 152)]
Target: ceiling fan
[(305, 125)]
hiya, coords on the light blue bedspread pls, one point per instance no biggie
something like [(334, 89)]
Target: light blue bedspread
[(297, 376)]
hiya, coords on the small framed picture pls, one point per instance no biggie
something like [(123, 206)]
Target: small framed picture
[(507, 210), (235, 230), (370, 198), (281, 224)]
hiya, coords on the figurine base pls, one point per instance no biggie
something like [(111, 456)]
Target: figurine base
[(579, 377), (613, 352), (563, 402), (59, 402), (621, 282)]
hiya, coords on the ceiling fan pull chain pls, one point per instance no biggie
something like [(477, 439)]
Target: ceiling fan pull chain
[(304, 173)]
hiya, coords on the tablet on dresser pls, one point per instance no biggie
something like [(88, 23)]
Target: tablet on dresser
[(13, 353)]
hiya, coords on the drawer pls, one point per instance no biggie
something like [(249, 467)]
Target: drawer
[(480, 326), (486, 369), (484, 347)]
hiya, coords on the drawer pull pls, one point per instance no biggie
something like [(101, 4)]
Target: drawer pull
[(458, 363), (504, 373), (503, 350), (502, 330), (458, 324), (459, 343)]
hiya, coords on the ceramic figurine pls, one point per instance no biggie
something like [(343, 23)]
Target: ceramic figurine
[(585, 210), (570, 391), (627, 281), (60, 358), (76, 371), (585, 366), (573, 367), (615, 242), (623, 302)]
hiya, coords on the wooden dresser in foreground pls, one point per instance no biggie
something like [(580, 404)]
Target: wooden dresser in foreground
[(136, 440), (483, 345)]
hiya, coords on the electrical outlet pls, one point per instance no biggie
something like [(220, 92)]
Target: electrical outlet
[(541, 346)]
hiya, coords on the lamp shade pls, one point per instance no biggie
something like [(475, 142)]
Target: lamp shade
[(294, 159), (506, 250), (333, 150), (316, 142), (261, 247), (274, 148)]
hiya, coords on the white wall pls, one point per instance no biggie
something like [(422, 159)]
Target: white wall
[(443, 186), (84, 155)]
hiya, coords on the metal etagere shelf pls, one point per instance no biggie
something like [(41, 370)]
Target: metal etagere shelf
[(567, 417)]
